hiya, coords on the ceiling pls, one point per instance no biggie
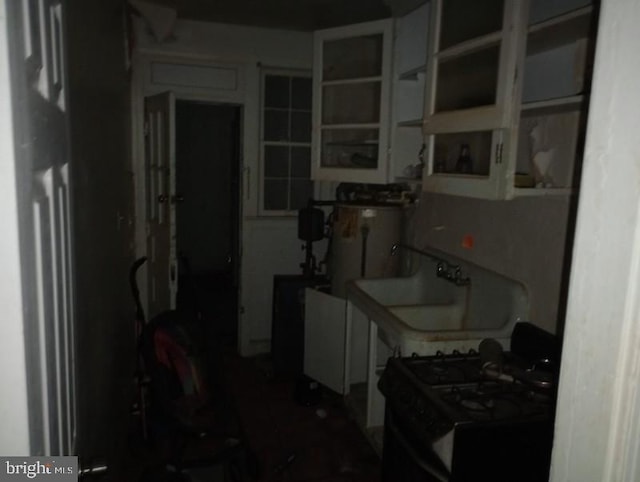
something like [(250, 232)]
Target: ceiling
[(285, 14)]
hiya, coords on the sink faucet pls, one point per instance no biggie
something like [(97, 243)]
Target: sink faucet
[(444, 269), (452, 273)]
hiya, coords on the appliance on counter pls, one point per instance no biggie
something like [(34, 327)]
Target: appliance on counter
[(362, 238), (482, 415)]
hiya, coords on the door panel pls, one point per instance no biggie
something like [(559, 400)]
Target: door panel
[(324, 339), (160, 184), (40, 125)]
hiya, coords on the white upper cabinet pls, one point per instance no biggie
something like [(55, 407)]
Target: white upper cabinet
[(352, 79), (471, 91), (553, 109), (504, 100), (483, 99)]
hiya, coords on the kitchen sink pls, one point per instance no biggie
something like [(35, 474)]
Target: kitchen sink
[(442, 303)]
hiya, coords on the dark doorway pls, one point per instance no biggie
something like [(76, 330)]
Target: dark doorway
[(208, 214)]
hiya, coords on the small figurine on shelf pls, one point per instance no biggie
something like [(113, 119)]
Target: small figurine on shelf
[(541, 156), (464, 165)]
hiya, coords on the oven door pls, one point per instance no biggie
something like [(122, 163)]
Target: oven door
[(404, 460)]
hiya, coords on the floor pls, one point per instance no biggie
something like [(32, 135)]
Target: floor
[(296, 443), (292, 442)]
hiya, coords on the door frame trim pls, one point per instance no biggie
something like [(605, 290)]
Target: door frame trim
[(141, 87)]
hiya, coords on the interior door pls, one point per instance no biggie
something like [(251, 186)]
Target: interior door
[(160, 140), (33, 79)]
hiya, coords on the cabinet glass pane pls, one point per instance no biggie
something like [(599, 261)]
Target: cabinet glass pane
[(467, 153), (468, 81), (352, 58), (463, 20), (349, 148), (351, 103), (548, 142)]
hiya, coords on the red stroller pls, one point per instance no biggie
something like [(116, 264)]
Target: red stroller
[(190, 424)]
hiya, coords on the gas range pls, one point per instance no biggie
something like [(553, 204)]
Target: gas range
[(473, 416)]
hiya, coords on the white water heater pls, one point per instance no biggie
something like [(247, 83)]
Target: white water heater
[(363, 236)]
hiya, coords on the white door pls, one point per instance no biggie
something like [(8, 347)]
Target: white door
[(37, 346), (160, 183)]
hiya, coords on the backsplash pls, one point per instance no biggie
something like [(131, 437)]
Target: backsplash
[(523, 239)]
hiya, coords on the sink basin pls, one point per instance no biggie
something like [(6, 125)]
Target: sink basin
[(430, 317), (422, 313)]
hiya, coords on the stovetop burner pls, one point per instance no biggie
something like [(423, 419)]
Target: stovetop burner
[(495, 400), (462, 390), (442, 369)]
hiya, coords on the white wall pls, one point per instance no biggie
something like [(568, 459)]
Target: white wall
[(598, 417), (269, 246), (524, 239)]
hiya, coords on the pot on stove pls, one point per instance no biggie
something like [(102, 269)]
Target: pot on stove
[(540, 374)]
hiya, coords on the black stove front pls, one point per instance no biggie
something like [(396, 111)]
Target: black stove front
[(459, 418)]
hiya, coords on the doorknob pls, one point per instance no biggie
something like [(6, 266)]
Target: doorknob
[(162, 198)]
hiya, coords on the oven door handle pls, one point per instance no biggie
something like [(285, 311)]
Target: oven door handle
[(413, 453)]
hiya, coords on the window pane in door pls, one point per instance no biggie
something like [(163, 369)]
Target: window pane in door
[(300, 126), (301, 93), (275, 194), (301, 162), (466, 153), (276, 125), (463, 20), (357, 103), (276, 161), (352, 58), (301, 191), (277, 91), (468, 81)]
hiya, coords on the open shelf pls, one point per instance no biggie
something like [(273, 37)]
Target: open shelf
[(560, 30), (356, 80), (560, 103), (469, 46), (353, 143), (410, 123), (546, 191), (413, 74), (408, 180)]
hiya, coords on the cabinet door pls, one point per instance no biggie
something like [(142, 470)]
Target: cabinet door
[(351, 78), (471, 94), (324, 339), (559, 52)]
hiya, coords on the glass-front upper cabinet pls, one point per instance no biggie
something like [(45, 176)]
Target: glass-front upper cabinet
[(352, 73), (471, 91)]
